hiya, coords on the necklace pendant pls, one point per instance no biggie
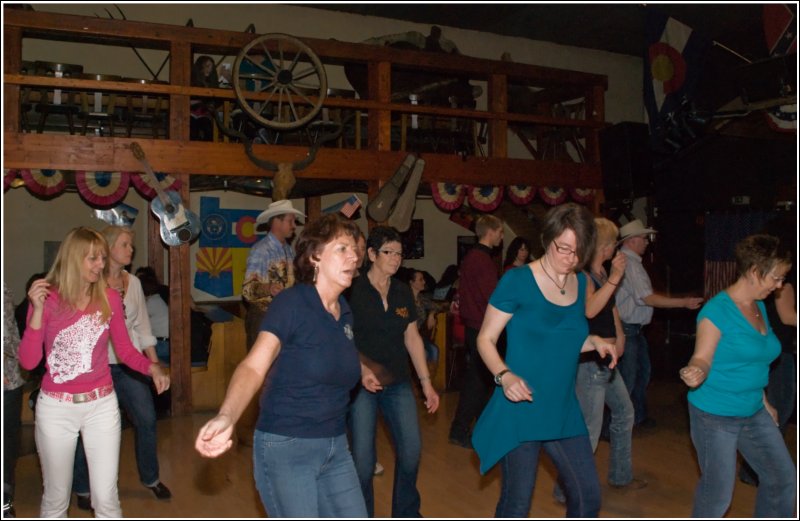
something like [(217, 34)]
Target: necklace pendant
[(563, 292)]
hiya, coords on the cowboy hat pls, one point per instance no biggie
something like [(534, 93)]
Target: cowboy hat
[(634, 229), (276, 208)]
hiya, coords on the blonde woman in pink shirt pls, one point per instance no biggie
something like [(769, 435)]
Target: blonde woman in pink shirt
[(73, 314)]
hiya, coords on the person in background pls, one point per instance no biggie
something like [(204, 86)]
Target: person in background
[(727, 374), (305, 351), (534, 407), (12, 401), (597, 385), (518, 253), (132, 390), (446, 287), (73, 313), (204, 74), (635, 301), (21, 311), (477, 280), (426, 318), (386, 336), (156, 299), (269, 271)]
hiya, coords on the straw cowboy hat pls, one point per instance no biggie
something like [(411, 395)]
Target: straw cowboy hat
[(634, 229), (276, 208)]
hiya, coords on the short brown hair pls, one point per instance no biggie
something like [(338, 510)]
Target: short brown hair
[(485, 223), (761, 252), (316, 234), (576, 218)]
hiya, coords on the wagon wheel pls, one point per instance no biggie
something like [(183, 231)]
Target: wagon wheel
[(286, 69)]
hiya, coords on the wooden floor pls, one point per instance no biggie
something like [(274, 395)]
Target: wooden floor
[(448, 481)]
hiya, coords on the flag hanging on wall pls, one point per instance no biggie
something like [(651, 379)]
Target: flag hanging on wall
[(347, 207), (674, 56)]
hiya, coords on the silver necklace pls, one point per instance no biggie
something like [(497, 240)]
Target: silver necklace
[(561, 287)]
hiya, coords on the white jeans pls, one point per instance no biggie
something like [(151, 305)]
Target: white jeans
[(57, 427)]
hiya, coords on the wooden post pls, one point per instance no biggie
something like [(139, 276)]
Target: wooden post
[(379, 122), (313, 207), (498, 102), (180, 327)]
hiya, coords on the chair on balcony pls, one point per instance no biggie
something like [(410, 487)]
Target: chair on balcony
[(151, 111), (99, 107), (57, 101)]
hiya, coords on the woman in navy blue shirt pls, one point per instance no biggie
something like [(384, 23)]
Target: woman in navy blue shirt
[(305, 350)]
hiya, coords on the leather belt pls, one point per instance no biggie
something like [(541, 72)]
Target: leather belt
[(92, 395)]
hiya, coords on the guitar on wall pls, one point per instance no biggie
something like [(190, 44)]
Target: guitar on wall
[(178, 225)]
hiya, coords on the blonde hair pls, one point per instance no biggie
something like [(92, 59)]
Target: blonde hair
[(111, 234), (65, 274), (485, 223), (607, 231)]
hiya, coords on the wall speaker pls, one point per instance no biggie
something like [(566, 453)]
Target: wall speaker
[(626, 161)]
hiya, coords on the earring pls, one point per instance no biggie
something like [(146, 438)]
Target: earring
[(316, 271)]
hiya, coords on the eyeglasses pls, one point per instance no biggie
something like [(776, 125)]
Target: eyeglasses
[(563, 250), (778, 279), (392, 253)]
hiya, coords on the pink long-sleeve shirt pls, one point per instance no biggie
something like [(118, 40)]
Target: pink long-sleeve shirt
[(76, 346)]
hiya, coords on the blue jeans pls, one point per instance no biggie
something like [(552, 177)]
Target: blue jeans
[(136, 399), (431, 351), (399, 409), (306, 477), (597, 385), (162, 350), (634, 367), (716, 440), (574, 461)]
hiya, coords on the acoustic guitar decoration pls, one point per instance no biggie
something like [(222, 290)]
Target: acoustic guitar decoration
[(178, 225)]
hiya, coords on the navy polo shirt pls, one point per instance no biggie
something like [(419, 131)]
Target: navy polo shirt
[(307, 390), (379, 333)]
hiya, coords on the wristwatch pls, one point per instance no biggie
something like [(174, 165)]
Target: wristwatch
[(498, 378)]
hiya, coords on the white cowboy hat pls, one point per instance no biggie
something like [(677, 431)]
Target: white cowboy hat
[(276, 208), (634, 229)]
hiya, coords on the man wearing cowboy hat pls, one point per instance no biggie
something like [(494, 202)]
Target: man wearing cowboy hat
[(635, 302), (269, 271)]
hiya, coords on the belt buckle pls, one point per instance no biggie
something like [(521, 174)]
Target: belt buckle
[(81, 397)]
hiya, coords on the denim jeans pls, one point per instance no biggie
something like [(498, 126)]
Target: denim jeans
[(399, 409), (574, 462), (782, 387), (716, 440), (634, 367), (597, 386), (306, 477), (136, 399)]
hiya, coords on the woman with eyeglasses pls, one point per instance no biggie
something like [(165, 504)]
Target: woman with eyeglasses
[(386, 335), (727, 374), (534, 406), (74, 313)]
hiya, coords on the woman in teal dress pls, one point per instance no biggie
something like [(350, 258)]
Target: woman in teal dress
[(542, 306)]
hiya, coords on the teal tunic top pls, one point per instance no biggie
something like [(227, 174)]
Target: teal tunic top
[(544, 344), (740, 367)]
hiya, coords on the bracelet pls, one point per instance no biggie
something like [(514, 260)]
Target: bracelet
[(423, 378), (609, 281)]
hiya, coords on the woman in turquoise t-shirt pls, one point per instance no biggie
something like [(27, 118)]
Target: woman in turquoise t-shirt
[(727, 374), (534, 406)]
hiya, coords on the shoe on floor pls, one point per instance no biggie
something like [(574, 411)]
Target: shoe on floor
[(84, 502), (635, 484), (161, 491), (378, 469)]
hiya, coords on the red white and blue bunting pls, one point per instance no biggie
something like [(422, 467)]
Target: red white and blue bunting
[(448, 196), (485, 198), (142, 183), (102, 188), (552, 195), (581, 195), (521, 194), (44, 183), (8, 177)]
